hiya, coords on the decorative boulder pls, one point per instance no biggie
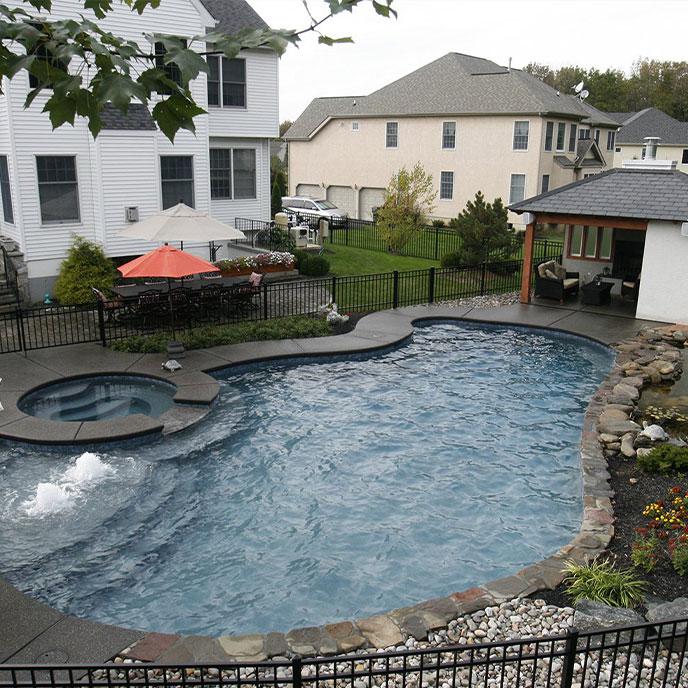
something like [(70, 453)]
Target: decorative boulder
[(671, 611), (591, 617)]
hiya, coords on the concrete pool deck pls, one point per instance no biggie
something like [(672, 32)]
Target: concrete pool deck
[(39, 634)]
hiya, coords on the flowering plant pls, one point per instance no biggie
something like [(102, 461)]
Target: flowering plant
[(244, 263), (332, 315), (667, 522)]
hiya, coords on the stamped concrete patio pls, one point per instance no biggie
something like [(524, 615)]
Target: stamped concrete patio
[(38, 634)]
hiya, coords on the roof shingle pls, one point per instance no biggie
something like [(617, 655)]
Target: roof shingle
[(653, 122), (138, 118), (234, 15)]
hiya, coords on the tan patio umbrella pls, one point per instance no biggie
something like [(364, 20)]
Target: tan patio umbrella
[(181, 223)]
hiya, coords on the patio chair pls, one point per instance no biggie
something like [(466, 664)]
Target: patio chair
[(630, 287), (553, 281), (241, 296), (111, 307)]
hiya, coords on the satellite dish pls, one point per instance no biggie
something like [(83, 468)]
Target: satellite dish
[(578, 87), (584, 94)]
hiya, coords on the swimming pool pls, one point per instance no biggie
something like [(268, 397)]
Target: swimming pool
[(99, 397), (317, 490)]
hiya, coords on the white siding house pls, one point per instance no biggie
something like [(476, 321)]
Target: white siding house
[(63, 182)]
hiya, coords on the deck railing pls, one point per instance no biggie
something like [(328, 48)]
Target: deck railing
[(647, 656)]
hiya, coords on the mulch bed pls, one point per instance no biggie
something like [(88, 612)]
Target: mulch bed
[(629, 501), (349, 325)]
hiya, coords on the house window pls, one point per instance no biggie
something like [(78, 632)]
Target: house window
[(684, 159), (232, 173), (597, 136), (545, 184), (176, 175), (392, 135), (448, 134), (611, 140), (446, 186), (226, 82), (220, 173), (354, 126), (549, 135), (517, 189), (244, 164), (44, 59), (584, 134), (592, 243), (172, 71), (572, 138), (6, 191), (521, 135), (58, 190), (561, 136)]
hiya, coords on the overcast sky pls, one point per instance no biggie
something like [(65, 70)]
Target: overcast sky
[(600, 33)]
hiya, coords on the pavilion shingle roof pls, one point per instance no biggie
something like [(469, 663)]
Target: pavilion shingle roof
[(623, 193), (454, 84)]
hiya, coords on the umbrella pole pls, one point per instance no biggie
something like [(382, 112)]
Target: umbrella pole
[(169, 293)]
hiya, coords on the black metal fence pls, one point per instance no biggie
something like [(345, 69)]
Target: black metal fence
[(647, 656), (9, 279), (430, 243), (25, 329)]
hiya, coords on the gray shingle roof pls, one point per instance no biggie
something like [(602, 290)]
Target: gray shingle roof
[(620, 117), (138, 118), (454, 84), (653, 122), (234, 15), (624, 193)]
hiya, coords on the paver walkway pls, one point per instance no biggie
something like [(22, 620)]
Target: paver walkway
[(32, 632)]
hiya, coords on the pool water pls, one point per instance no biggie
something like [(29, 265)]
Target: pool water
[(317, 490), (99, 398)]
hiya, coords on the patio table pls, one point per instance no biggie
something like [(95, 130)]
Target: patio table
[(597, 293)]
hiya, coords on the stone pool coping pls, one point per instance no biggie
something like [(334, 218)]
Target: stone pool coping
[(46, 636)]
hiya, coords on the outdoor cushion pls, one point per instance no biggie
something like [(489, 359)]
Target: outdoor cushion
[(255, 279), (551, 275), (630, 285), (543, 267), (570, 282), (560, 271)]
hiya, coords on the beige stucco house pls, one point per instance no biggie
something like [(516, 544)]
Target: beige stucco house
[(474, 126), (651, 122)]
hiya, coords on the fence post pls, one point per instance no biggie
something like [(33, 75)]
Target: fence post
[(431, 285), (437, 243), (101, 323), (334, 288), (346, 234), (296, 672), (483, 268), (395, 289), (265, 300), (569, 658), (22, 334)]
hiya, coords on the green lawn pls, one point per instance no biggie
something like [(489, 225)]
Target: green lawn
[(345, 260)]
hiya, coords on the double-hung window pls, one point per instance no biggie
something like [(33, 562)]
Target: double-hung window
[(171, 69), (572, 138), (611, 140), (226, 82), (446, 186), (177, 179), (521, 129), (448, 135), (545, 184), (584, 134), (58, 189), (6, 191), (597, 136), (561, 136), (392, 135), (232, 173), (517, 188), (549, 135), (591, 243), (684, 157)]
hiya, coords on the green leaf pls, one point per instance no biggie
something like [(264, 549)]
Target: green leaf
[(190, 63), (61, 110), (175, 113), (99, 7), (326, 40), (384, 9), (120, 90)]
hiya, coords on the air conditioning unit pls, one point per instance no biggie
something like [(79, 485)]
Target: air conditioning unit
[(131, 214)]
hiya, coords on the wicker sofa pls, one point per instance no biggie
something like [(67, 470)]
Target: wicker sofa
[(552, 281)]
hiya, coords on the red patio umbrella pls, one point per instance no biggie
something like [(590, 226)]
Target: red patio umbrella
[(166, 261)]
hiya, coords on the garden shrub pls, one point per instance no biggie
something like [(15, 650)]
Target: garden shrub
[(600, 581), (276, 239), (644, 553), (85, 266), (665, 458), (216, 335), (300, 255), (438, 223), (451, 260), (679, 559), (314, 266)]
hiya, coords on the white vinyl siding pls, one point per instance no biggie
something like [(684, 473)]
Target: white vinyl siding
[(392, 135), (521, 131), (448, 135), (446, 186), (517, 188)]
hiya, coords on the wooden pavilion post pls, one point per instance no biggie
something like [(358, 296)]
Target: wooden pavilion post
[(527, 272)]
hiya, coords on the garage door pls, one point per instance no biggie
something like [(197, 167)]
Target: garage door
[(343, 198), (370, 198), (311, 190)]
